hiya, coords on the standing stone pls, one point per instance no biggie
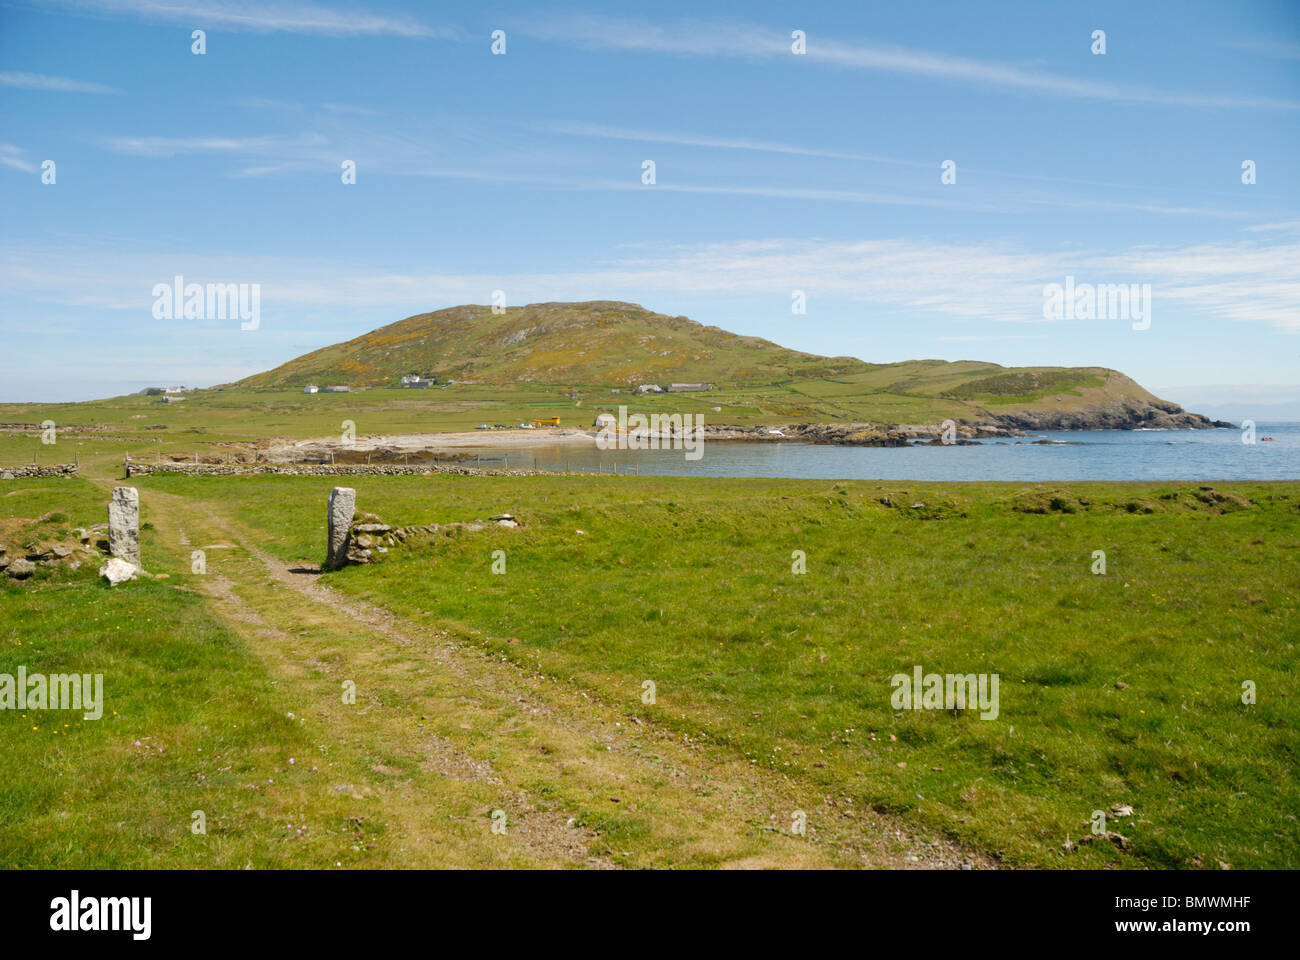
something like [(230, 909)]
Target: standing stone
[(343, 502), (124, 525)]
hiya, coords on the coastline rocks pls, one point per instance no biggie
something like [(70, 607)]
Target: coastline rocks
[(1118, 415)]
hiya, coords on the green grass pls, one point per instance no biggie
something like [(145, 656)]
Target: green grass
[(688, 583), (189, 723)]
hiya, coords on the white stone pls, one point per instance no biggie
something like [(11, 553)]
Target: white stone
[(117, 571)]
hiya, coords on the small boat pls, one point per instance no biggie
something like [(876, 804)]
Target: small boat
[(1267, 439)]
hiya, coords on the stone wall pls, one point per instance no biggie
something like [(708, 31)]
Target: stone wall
[(34, 470), (142, 469)]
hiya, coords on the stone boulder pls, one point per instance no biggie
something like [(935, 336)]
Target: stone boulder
[(117, 571), (20, 569)]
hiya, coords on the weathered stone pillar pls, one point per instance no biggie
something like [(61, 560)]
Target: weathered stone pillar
[(124, 525), (343, 502)]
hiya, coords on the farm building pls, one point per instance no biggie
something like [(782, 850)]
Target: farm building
[(311, 388), (689, 387), (604, 420), (338, 389), (649, 388)]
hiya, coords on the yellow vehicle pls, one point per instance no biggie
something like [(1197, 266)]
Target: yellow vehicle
[(552, 422)]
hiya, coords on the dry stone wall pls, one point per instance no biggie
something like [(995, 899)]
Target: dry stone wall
[(322, 470), (42, 470)]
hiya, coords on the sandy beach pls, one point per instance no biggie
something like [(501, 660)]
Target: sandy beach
[(412, 443)]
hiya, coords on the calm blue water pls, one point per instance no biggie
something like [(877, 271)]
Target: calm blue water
[(1091, 455)]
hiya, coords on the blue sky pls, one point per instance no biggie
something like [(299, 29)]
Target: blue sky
[(774, 172)]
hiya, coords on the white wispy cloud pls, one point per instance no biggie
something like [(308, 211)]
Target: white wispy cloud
[(398, 153), (233, 146), (267, 103), (347, 108), (402, 156), (714, 39), (605, 132), (1279, 225), (41, 81), (772, 192), (1277, 49), (11, 156), (981, 339), (271, 17), (1242, 282)]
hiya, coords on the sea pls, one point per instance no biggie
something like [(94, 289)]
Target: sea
[(1125, 455)]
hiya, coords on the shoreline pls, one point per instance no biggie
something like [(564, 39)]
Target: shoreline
[(857, 435)]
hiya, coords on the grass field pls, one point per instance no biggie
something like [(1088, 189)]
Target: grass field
[(916, 392), (1116, 689)]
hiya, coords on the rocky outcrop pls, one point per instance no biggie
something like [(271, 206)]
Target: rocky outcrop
[(1120, 415), (20, 562), (852, 434), (20, 568)]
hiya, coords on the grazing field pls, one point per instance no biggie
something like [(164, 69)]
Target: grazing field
[(1116, 690), (1123, 689)]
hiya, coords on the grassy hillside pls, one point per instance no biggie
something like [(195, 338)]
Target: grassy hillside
[(567, 359), (594, 343)]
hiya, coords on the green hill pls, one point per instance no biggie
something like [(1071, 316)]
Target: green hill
[(620, 345), (601, 342)]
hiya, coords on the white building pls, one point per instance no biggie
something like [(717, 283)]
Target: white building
[(311, 388), (649, 388)]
